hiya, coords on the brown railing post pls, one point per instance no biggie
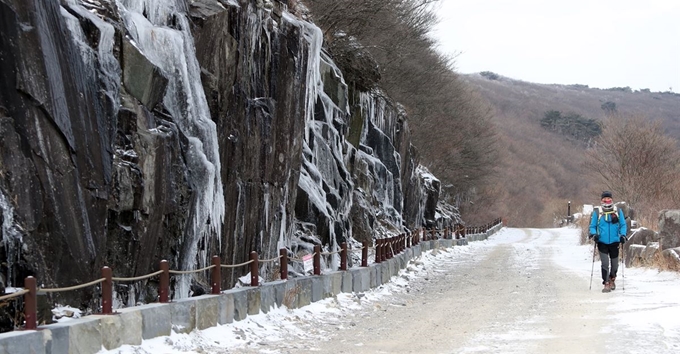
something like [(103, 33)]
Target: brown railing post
[(364, 254), (383, 249), (378, 250), (317, 260), (283, 263), (107, 291), (164, 285), (254, 269), (30, 303), (216, 276), (343, 256), (383, 255)]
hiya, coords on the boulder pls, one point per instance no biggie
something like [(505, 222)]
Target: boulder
[(640, 237), (669, 228), (649, 253), (672, 258), (633, 255)]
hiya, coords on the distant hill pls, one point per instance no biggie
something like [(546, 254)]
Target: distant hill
[(542, 170)]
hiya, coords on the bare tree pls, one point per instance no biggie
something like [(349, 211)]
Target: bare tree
[(451, 124), (637, 161)]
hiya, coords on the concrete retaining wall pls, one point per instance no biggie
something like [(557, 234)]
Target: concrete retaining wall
[(132, 325)]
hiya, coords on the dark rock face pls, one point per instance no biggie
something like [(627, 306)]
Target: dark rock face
[(57, 144), (256, 93), (136, 131)]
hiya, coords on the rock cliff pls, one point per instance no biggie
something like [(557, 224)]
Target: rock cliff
[(140, 130)]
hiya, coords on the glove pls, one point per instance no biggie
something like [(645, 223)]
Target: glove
[(595, 237), (615, 219), (623, 239)]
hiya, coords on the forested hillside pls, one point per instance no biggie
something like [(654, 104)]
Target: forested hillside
[(545, 131), (500, 146)]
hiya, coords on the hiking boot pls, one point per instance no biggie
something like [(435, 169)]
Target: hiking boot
[(612, 283), (607, 287)]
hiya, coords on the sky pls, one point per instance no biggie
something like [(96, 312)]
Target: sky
[(602, 44), (646, 302)]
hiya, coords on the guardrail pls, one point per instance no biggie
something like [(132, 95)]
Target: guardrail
[(385, 249)]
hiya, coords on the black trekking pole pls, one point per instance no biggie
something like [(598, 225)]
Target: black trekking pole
[(592, 268)]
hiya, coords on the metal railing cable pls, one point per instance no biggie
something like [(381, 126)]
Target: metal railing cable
[(141, 277), (191, 271), (235, 265), (69, 288)]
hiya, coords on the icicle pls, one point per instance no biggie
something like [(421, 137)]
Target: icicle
[(161, 31)]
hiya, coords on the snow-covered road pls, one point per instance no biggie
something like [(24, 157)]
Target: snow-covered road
[(521, 291)]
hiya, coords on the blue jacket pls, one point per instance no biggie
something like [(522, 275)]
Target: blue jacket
[(602, 225)]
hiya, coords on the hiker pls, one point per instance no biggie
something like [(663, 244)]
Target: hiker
[(608, 230)]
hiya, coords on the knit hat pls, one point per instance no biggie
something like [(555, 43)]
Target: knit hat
[(606, 194)]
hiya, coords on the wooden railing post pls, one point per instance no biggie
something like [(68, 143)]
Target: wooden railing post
[(386, 249), (164, 285), (107, 291), (317, 260), (216, 276), (378, 250), (364, 254), (343, 256), (283, 253), (254, 269), (31, 303)]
